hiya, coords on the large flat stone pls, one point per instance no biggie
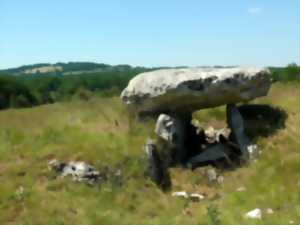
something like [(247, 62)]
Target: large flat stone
[(190, 89)]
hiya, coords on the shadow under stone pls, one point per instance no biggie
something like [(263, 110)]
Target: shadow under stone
[(223, 153), (262, 120)]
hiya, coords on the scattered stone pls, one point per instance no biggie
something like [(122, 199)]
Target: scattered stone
[(212, 135), (196, 123), (241, 189), (270, 211), (180, 194), (79, 171), (191, 89), (220, 179), (193, 196), (211, 175), (196, 197), (252, 151), (254, 214), (54, 164)]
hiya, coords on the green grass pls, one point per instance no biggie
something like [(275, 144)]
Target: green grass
[(88, 131)]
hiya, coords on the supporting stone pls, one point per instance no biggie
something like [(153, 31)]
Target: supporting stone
[(236, 124), (155, 168), (212, 153), (175, 129)]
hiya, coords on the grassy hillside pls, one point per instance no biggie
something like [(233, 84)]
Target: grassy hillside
[(100, 132)]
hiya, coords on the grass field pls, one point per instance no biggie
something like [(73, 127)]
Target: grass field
[(100, 132)]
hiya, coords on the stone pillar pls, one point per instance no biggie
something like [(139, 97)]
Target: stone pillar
[(236, 124), (174, 129), (154, 168)]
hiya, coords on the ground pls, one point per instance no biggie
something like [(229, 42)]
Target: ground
[(101, 132)]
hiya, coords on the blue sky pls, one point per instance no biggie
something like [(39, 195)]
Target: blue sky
[(150, 33)]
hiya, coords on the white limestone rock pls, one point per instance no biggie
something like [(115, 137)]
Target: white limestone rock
[(171, 129), (254, 214), (190, 89), (180, 194)]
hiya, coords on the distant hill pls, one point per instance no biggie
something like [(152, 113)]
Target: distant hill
[(78, 68), (70, 68)]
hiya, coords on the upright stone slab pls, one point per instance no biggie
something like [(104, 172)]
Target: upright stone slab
[(174, 129), (236, 123), (154, 165)]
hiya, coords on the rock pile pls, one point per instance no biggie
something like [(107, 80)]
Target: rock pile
[(79, 171), (172, 95)]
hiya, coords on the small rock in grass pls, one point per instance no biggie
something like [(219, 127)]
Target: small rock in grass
[(184, 194), (270, 211), (20, 193), (220, 179), (241, 189), (254, 214), (180, 194), (211, 175), (79, 171), (196, 197)]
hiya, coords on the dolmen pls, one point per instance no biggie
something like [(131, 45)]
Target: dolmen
[(172, 95)]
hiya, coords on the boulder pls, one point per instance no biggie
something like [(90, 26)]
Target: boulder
[(190, 89)]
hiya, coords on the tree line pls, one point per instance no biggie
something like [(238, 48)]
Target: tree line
[(29, 90), (35, 89)]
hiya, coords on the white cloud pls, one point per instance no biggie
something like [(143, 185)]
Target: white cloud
[(254, 10)]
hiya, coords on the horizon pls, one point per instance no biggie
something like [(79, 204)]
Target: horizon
[(150, 34), (162, 66)]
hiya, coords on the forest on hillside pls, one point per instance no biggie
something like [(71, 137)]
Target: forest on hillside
[(18, 89), (27, 90)]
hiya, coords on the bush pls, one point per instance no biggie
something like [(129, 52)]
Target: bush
[(83, 94), (14, 93)]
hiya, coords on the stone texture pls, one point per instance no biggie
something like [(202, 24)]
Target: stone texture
[(79, 171), (167, 128), (154, 163), (254, 214), (190, 89), (213, 135), (173, 130), (236, 123), (211, 153)]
